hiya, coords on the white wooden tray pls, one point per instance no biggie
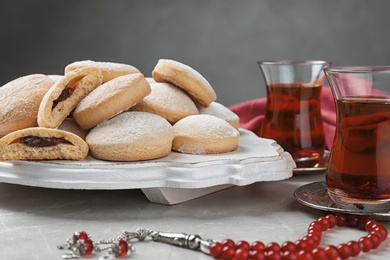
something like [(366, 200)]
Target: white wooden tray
[(173, 179)]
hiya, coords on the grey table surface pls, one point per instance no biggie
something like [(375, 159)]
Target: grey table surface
[(33, 221)]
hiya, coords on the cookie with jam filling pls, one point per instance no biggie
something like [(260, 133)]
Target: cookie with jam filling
[(38, 143), (66, 93)]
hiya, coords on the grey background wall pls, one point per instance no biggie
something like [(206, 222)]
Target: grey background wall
[(222, 39)]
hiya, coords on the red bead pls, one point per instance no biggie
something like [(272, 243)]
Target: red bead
[(332, 220), (88, 247), (324, 223), (288, 246), (370, 225), (227, 253), (316, 239), (303, 255), (381, 232), (257, 255), (341, 219), (258, 246), (290, 255), (365, 244), (375, 240), (122, 248), (362, 222), (243, 245), (273, 255), (344, 251), (311, 244), (355, 248), (82, 235), (315, 226), (273, 247), (229, 243), (216, 250), (302, 245), (318, 253), (332, 253), (242, 254), (353, 220)]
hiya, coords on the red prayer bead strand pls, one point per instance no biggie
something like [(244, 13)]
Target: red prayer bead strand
[(308, 246)]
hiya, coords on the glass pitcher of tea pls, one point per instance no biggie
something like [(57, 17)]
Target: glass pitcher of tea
[(293, 111)]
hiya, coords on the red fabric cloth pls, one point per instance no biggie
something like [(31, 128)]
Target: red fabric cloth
[(252, 112)]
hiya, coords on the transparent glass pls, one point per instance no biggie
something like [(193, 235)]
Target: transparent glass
[(293, 112), (358, 175)]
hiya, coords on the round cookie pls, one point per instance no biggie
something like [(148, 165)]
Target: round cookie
[(219, 110), (65, 94), (111, 98), (20, 100), (131, 136), (39, 143), (186, 78), (204, 134), (110, 70), (168, 101)]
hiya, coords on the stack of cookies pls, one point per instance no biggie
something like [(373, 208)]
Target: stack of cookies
[(112, 111)]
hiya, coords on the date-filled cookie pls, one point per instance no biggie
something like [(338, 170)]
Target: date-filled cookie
[(66, 93), (38, 143), (131, 136)]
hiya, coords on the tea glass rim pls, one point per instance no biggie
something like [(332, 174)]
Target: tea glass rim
[(294, 62), (357, 69)]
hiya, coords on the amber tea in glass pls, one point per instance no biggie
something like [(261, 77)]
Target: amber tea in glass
[(358, 175), (293, 112)]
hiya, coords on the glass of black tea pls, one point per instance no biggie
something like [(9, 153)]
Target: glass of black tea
[(358, 175), (293, 111)]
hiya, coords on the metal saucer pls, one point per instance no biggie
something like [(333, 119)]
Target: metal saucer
[(316, 196), (319, 168)]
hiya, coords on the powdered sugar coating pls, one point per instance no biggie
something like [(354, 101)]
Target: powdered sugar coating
[(168, 101), (219, 110), (193, 73), (131, 136), (204, 134), (19, 101), (129, 127), (110, 70), (186, 78), (205, 126)]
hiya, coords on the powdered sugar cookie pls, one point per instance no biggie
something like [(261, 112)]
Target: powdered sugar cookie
[(19, 102), (219, 110), (111, 98), (66, 93), (186, 78), (168, 101), (131, 136), (38, 143), (111, 70), (204, 134)]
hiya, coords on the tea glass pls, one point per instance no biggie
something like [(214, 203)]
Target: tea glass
[(358, 174), (293, 111)]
